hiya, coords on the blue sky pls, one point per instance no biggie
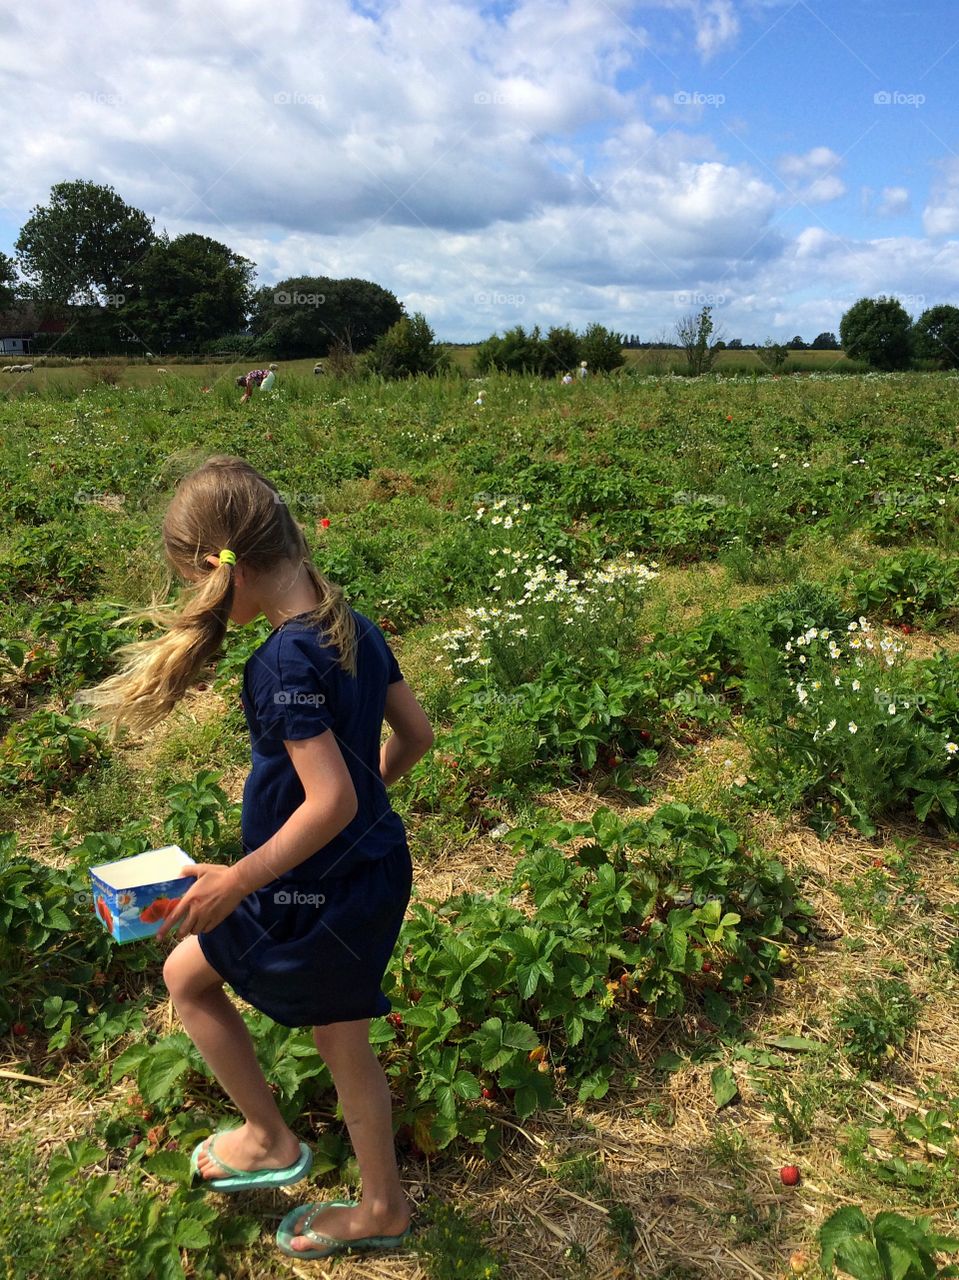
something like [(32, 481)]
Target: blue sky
[(541, 162)]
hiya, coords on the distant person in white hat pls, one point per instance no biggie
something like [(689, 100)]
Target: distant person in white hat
[(582, 371)]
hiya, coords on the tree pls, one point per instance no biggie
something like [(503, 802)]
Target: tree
[(734, 344), (796, 344), (84, 246), (937, 336), (8, 281), (306, 315), (563, 351), (515, 352), (192, 290), (824, 342), (407, 348), (879, 331), (694, 333), (773, 354), (602, 349)]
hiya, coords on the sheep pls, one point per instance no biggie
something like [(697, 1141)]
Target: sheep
[(8, 368), (160, 370), (15, 368), (26, 368)]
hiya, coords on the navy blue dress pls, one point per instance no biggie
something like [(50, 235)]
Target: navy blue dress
[(312, 946)]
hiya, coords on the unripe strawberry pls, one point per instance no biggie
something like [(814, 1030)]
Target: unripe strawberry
[(537, 1054), (798, 1263), (789, 1175)]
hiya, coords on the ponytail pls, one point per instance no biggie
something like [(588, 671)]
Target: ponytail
[(156, 673)]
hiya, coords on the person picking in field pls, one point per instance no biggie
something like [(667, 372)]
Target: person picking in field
[(262, 378), (303, 926)]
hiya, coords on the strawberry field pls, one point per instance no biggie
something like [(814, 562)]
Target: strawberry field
[(676, 994)]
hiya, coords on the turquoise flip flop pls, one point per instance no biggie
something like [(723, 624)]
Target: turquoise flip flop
[(249, 1179), (285, 1234)]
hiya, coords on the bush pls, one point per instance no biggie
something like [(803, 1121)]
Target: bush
[(878, 330), (407, 348), (937, 336)]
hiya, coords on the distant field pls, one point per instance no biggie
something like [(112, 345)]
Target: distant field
[(74, 374)]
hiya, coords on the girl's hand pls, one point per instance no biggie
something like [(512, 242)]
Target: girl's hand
[(206, 903)]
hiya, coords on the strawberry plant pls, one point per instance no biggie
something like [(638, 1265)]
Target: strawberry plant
[(526, 1007), (48, 750), (908, 586), (84, 639), (891, 1247), (198, 810)]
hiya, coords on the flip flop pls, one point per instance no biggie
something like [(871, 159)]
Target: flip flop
[(285, 1234), (249, 1179)]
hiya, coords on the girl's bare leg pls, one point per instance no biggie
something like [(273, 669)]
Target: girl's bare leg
[(367, 1109), (214, 1025)]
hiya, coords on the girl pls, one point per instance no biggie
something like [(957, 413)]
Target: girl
[(303, 926)]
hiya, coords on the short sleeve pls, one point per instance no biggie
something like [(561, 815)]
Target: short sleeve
[(289, 691), (393, 672)]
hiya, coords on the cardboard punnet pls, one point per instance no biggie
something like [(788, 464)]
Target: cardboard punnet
[(134, 895)]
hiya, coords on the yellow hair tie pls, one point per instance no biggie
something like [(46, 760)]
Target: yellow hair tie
[(227, 557)]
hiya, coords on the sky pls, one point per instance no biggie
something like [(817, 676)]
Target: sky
[(541, 162)]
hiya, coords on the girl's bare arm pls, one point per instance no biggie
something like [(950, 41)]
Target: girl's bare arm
[(412, 734)]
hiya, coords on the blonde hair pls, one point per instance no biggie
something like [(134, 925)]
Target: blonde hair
[(224, 504)]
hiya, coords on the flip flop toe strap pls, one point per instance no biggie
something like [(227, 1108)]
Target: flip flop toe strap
[(211, 1152)]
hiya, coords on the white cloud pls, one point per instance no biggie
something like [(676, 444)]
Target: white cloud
[(716, 22), (809, 177), (893, 201), (490, 165), (941, 215)]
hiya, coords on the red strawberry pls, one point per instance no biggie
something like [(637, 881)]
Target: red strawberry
[(394, 1019), (324, 523), (789, 1175), (19, 1028), (707, 967), (487, 1094)]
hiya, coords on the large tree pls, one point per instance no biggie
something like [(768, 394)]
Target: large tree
[(190, 291), (307, 315), (84, 246), (8, 280), (879, 331), (824, 342), (937, 336)]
